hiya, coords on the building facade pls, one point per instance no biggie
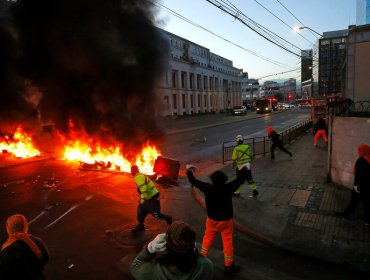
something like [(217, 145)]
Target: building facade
[(329, 56), (306, 65), (362, 12), (198, 81), (357, 82)]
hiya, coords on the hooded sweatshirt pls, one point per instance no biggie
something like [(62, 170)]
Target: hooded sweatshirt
[(362, 169), (144, 268), (219, 194), (22, 256)]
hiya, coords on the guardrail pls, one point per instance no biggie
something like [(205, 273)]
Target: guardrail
[(261, 145)]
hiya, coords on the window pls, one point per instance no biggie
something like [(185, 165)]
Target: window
[(198, 81), (191, 81), (174, 77), (205, 100), (192, 101), (183, 101), (174, 101), (205, 82), (198, 100), (183, 79)]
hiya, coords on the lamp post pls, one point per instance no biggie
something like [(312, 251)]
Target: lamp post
[(309, 28), (251, 91)]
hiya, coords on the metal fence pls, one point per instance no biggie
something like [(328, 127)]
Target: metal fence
[(347, 108), (261, 145)]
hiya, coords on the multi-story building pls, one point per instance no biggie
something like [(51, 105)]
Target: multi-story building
[(250, 88), (288, 89), (363, 12), (329, 56), (306, 65), (269, 89), (197, 80), (356, 77)]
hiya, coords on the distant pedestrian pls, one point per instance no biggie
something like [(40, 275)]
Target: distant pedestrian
[(242, 157), (361, 184), (149, 202), (219, 206), (180, 258), (23, 256), (320, 129), (276, 142)]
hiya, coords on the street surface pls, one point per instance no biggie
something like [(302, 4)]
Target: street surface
[(83, 215)]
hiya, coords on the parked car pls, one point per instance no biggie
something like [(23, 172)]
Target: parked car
[(239, 110)]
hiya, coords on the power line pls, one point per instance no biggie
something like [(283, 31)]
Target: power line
[(239, 15), (294, 16), (213, 33), (277, 74), (290, 27)]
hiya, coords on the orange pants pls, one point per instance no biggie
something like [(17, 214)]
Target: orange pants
[(318, 134), (226, 228)]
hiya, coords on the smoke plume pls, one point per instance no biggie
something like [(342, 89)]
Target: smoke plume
[(95, 62)]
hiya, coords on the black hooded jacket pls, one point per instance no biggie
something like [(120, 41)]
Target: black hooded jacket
[(219, 194)]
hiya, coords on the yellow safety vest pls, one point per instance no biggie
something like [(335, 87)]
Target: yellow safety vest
[(242, 154), (146, 186)]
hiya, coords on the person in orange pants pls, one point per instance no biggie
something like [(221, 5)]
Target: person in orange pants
[(219, 206), (320, 129)]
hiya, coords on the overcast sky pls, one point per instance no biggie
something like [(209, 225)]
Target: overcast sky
[(319, 15)]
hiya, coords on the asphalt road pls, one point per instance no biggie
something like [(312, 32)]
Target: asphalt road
[(84, 216)]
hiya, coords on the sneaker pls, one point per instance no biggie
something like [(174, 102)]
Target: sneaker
[(232, 269), (139, 227), (255, 193)]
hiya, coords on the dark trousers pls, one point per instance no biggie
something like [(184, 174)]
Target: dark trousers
[(356, 198), (278, 144), (151, 206)]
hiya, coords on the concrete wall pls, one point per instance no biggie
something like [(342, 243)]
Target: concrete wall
[(347, 134)]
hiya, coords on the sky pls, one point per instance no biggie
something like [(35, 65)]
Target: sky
[(262, 59)]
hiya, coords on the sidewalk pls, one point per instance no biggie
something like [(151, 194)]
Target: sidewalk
[(295, 207)]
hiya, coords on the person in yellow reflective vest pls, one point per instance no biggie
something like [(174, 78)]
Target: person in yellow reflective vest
[(242, 157), (149, 202)]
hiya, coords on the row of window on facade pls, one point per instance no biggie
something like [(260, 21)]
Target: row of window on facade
[(196, 50), (192, 105), (193, 81)]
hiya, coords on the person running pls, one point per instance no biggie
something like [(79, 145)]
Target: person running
[(149, 202), (320, 129), (242, 157), (276, 142), (219, 206)]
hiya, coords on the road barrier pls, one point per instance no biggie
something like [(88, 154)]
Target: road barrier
[(261, 145)]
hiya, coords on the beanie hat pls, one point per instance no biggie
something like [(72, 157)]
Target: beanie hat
[(180, 237)]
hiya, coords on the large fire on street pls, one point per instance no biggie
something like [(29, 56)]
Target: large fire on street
[(21, 145)]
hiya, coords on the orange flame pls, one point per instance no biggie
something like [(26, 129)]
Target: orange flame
[(20, 145), (111, 158)]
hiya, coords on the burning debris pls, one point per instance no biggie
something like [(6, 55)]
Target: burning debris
[(91, 68), (19, 144)]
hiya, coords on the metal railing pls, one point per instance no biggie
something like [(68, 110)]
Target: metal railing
[(261, 145)]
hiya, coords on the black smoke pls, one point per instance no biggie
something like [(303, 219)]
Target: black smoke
[(96, 62)]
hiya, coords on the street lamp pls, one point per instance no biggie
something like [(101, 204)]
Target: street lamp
[(297, 29)]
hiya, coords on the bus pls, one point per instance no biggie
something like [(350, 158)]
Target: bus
[(266, 105)]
